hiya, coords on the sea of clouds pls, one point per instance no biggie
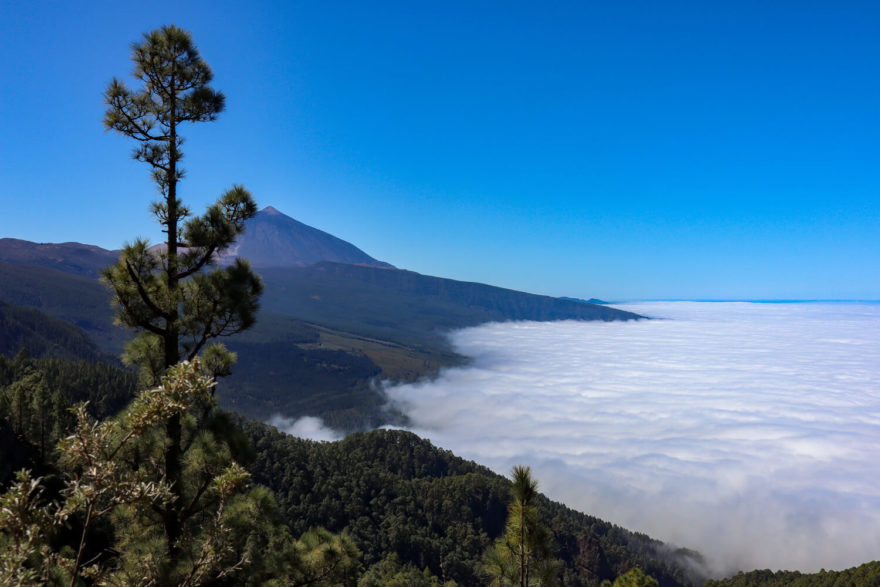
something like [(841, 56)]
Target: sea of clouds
[(750, 432)]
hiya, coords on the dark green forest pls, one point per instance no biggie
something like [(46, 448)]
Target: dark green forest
[(42, 335), (36, 395), (866, 574), (395, 493)]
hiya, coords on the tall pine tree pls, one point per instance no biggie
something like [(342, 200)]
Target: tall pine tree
[(156, 494), (168, 294), (523, 554)]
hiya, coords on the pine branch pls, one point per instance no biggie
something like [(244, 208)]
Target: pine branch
[(191, 508), (144, 295), (204, 260)]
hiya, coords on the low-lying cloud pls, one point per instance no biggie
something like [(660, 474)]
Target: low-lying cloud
[(306, 427), (749, 432)]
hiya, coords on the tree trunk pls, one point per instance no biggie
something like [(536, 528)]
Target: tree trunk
[(173, 452)]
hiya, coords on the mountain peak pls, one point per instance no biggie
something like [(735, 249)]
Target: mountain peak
[(274, 239)]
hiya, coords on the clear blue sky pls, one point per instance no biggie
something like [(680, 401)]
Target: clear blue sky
[(624, 150)]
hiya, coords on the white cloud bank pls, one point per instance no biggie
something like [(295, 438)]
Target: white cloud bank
[(750, 432)]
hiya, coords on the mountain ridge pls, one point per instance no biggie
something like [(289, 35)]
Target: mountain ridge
[(75, 258)]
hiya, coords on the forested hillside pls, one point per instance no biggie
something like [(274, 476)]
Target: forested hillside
[(407, 307), (398, 495), (43, 335), (36, 395), (82, 301)]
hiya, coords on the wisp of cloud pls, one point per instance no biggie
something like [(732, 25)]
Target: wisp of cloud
[(749, 432), (306, 427)]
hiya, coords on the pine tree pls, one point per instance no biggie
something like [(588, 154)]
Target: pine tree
[(523, 554), (167, 294), (41, 424), (112, 503), (635, 577), (156, 495)]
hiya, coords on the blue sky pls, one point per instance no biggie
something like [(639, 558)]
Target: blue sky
[(623, 150)]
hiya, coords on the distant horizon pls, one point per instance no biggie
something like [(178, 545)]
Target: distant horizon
[(751, 301)]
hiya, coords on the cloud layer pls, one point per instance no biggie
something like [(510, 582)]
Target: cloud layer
[(747, 431)]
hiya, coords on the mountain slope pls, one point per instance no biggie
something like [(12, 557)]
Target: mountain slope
[(82, 301), (366, 299), (42, 335), (273, 239), (408, 307), (394, 492)]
